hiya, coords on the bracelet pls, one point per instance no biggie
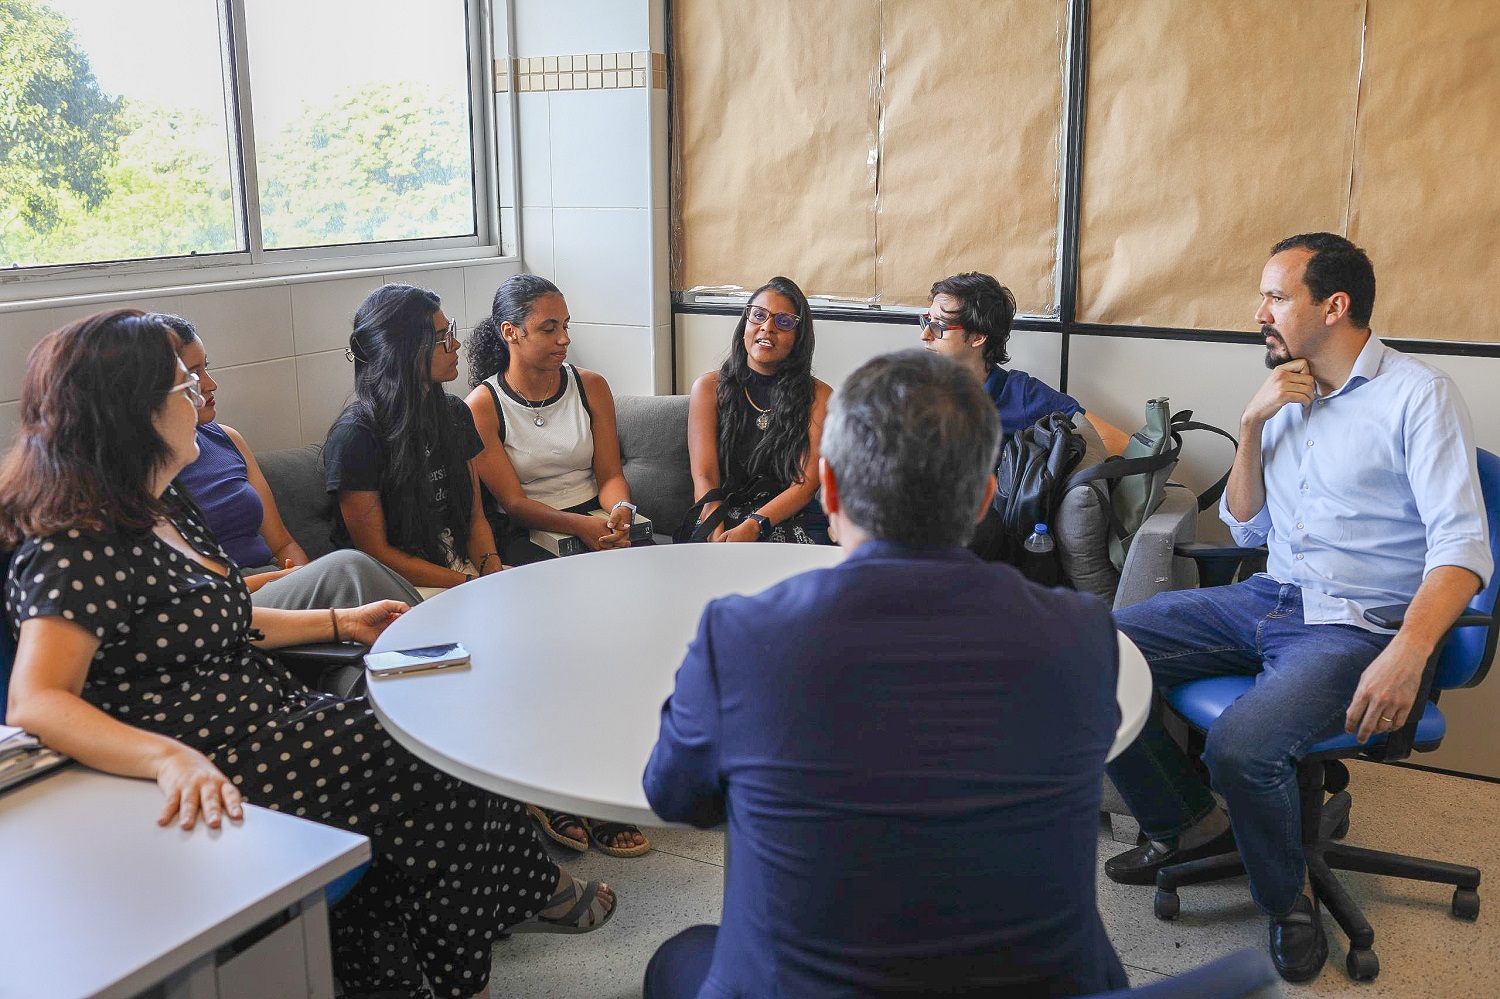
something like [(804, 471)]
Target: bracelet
[(334, 617), (486, 559)]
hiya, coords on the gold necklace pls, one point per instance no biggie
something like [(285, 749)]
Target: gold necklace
[(764, 419)]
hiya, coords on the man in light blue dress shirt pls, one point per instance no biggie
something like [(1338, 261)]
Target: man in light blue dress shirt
[(1356, 469)]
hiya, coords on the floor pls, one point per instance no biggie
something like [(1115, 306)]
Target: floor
[(1423, 950)]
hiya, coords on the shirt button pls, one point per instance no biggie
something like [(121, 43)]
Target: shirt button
[(1299, 556), (1299, 525), (1309, 443), (1304, 486)]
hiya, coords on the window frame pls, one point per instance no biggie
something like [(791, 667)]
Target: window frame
[(49, 281)]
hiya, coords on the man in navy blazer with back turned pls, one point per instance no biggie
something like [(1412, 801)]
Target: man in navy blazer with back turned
[(907, 747)]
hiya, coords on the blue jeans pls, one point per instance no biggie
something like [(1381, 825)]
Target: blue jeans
[(1305, 676)]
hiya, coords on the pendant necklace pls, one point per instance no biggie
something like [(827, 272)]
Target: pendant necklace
[(763, 421), (536, 407)]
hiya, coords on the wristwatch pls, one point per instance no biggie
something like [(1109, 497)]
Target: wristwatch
[(764, 524)]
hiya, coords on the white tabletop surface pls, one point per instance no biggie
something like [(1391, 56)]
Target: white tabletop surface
[(97, 900), (572, 659)]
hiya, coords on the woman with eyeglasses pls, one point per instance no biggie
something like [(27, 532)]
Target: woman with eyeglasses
[(139, 653), (551, 461), (400, 456), (754, 425), (969, 322), (237, 503), (551, 456)]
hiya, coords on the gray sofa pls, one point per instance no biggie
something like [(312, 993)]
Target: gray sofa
[(653, 445)]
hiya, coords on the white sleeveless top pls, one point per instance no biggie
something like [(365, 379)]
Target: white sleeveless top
[(554, 461)]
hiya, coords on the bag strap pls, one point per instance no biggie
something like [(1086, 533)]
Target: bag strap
[(1210, 496), (721, 513)]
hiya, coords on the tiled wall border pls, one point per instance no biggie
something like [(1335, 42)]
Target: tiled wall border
[(595, 71)]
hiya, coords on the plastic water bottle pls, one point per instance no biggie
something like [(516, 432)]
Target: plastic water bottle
[(1040, 540)]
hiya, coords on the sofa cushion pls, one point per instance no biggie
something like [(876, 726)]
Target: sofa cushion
[(297, 481), (1083, 526), (653, 447)]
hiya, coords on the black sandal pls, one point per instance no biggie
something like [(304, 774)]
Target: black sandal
[(604, 833), (558, 824)]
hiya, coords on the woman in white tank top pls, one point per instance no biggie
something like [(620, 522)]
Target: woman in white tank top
[(551, 455)]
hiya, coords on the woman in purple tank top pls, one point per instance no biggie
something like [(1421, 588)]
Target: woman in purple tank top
[(227, 484)]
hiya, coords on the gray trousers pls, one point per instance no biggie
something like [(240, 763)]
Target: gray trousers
[(345, 578)]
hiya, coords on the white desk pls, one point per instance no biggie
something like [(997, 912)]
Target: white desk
[(97, 900), (572, 659)]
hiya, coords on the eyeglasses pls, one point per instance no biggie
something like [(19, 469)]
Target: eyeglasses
[(784, 321), (937, 327), (448, 338), (189, 388)]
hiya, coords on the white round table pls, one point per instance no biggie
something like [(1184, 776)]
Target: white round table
[(572, 659)]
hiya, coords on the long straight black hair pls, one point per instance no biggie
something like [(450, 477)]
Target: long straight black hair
[(396, 399), (781, 450)]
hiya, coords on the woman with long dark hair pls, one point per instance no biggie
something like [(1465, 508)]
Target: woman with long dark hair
[(140, 654), (754, 425), (400, 455), (551, 450), (237, 504), (551, 460)]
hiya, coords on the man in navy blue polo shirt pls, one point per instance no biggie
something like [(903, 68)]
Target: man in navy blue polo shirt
[(969, 322)]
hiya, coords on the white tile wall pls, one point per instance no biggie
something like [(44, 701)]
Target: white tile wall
[(253, 398), (325, 383), (535, 140), (479, 287), (661, 360), (537, 250), (622, 354), (601, 149), (323, 312), (603, 263), (661, 267), (239, 326), (566, 27)]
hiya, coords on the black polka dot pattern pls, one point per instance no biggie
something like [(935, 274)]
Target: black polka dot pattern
[(453, 865)]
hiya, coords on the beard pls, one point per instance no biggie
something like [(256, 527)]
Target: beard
[(1273, 359)]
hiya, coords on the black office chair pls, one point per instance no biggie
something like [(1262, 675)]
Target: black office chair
[(1462, 661)]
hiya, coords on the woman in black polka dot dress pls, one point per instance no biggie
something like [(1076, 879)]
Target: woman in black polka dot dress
[(138, 655)]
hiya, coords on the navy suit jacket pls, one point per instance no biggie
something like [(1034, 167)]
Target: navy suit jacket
[(908, 749)]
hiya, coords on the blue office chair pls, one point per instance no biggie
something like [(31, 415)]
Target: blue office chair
[(1245, 974), (1462, 661)]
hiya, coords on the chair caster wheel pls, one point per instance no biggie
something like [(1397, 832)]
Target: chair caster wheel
[(1341, 830), (1335, 776), (1466, 903), (1167, 904), (1363, 965)]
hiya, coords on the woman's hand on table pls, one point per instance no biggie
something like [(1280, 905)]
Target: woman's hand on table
[(366, 622), (192, 787)]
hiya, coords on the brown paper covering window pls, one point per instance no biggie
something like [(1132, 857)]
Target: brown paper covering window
[(1427, 168), (1213, 130), (776, 122), (969, 164)]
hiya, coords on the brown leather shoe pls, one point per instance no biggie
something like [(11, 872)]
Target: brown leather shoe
[(1139, 866)]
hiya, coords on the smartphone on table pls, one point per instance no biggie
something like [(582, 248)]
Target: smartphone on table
[(429, 657)]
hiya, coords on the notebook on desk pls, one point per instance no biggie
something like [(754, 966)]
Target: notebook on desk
[(23, 758)]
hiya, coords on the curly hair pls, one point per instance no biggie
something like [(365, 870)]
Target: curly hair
[(489, 354)]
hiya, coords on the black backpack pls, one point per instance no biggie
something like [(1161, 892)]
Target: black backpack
[(1034, 472)]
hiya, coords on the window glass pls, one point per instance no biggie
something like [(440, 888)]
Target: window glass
[(113, 142), (361, 111)]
